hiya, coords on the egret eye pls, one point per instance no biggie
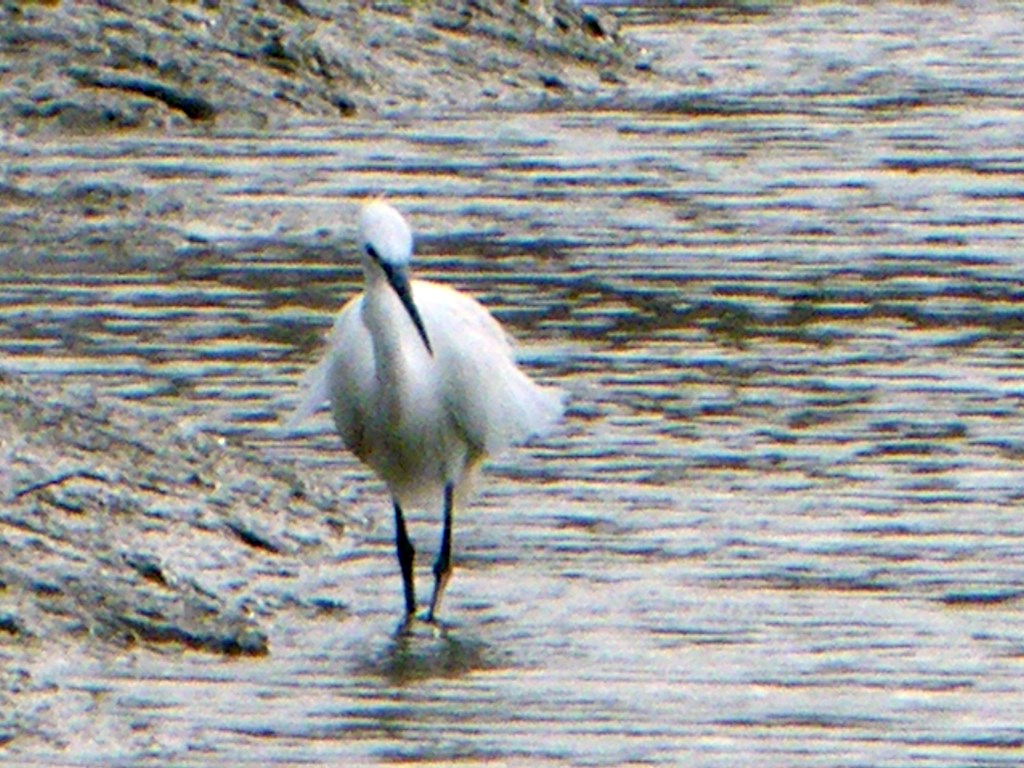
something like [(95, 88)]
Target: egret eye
[(372, 252)]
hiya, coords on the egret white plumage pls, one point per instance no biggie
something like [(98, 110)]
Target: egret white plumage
[(423, 386)]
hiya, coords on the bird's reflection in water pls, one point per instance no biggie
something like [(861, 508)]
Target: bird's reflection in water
[(420, 651)]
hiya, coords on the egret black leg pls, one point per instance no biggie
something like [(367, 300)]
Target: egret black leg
[(406, 555), (443, 565)]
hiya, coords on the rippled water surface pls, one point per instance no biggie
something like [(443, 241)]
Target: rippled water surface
[(782, 524)]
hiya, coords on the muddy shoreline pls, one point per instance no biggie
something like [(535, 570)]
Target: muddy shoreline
[(226, 66)]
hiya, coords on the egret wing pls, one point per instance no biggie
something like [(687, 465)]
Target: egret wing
[(313, 388), (493, 402), (346, 367)]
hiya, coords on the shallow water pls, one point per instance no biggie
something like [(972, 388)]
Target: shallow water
[(782, 521)]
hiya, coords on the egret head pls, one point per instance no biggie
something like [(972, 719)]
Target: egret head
[(384, 230), (386, 242)]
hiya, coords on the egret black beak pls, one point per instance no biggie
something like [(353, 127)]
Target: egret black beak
[(400, 283)]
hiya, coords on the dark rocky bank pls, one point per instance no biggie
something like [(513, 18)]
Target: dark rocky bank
[(109, 65)]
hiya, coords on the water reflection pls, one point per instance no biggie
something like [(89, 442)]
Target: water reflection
[(421, 652)]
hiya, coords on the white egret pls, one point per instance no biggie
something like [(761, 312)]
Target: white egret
[(423, 386)]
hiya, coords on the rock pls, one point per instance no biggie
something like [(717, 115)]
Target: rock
[(192, 106), (98, 498)]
